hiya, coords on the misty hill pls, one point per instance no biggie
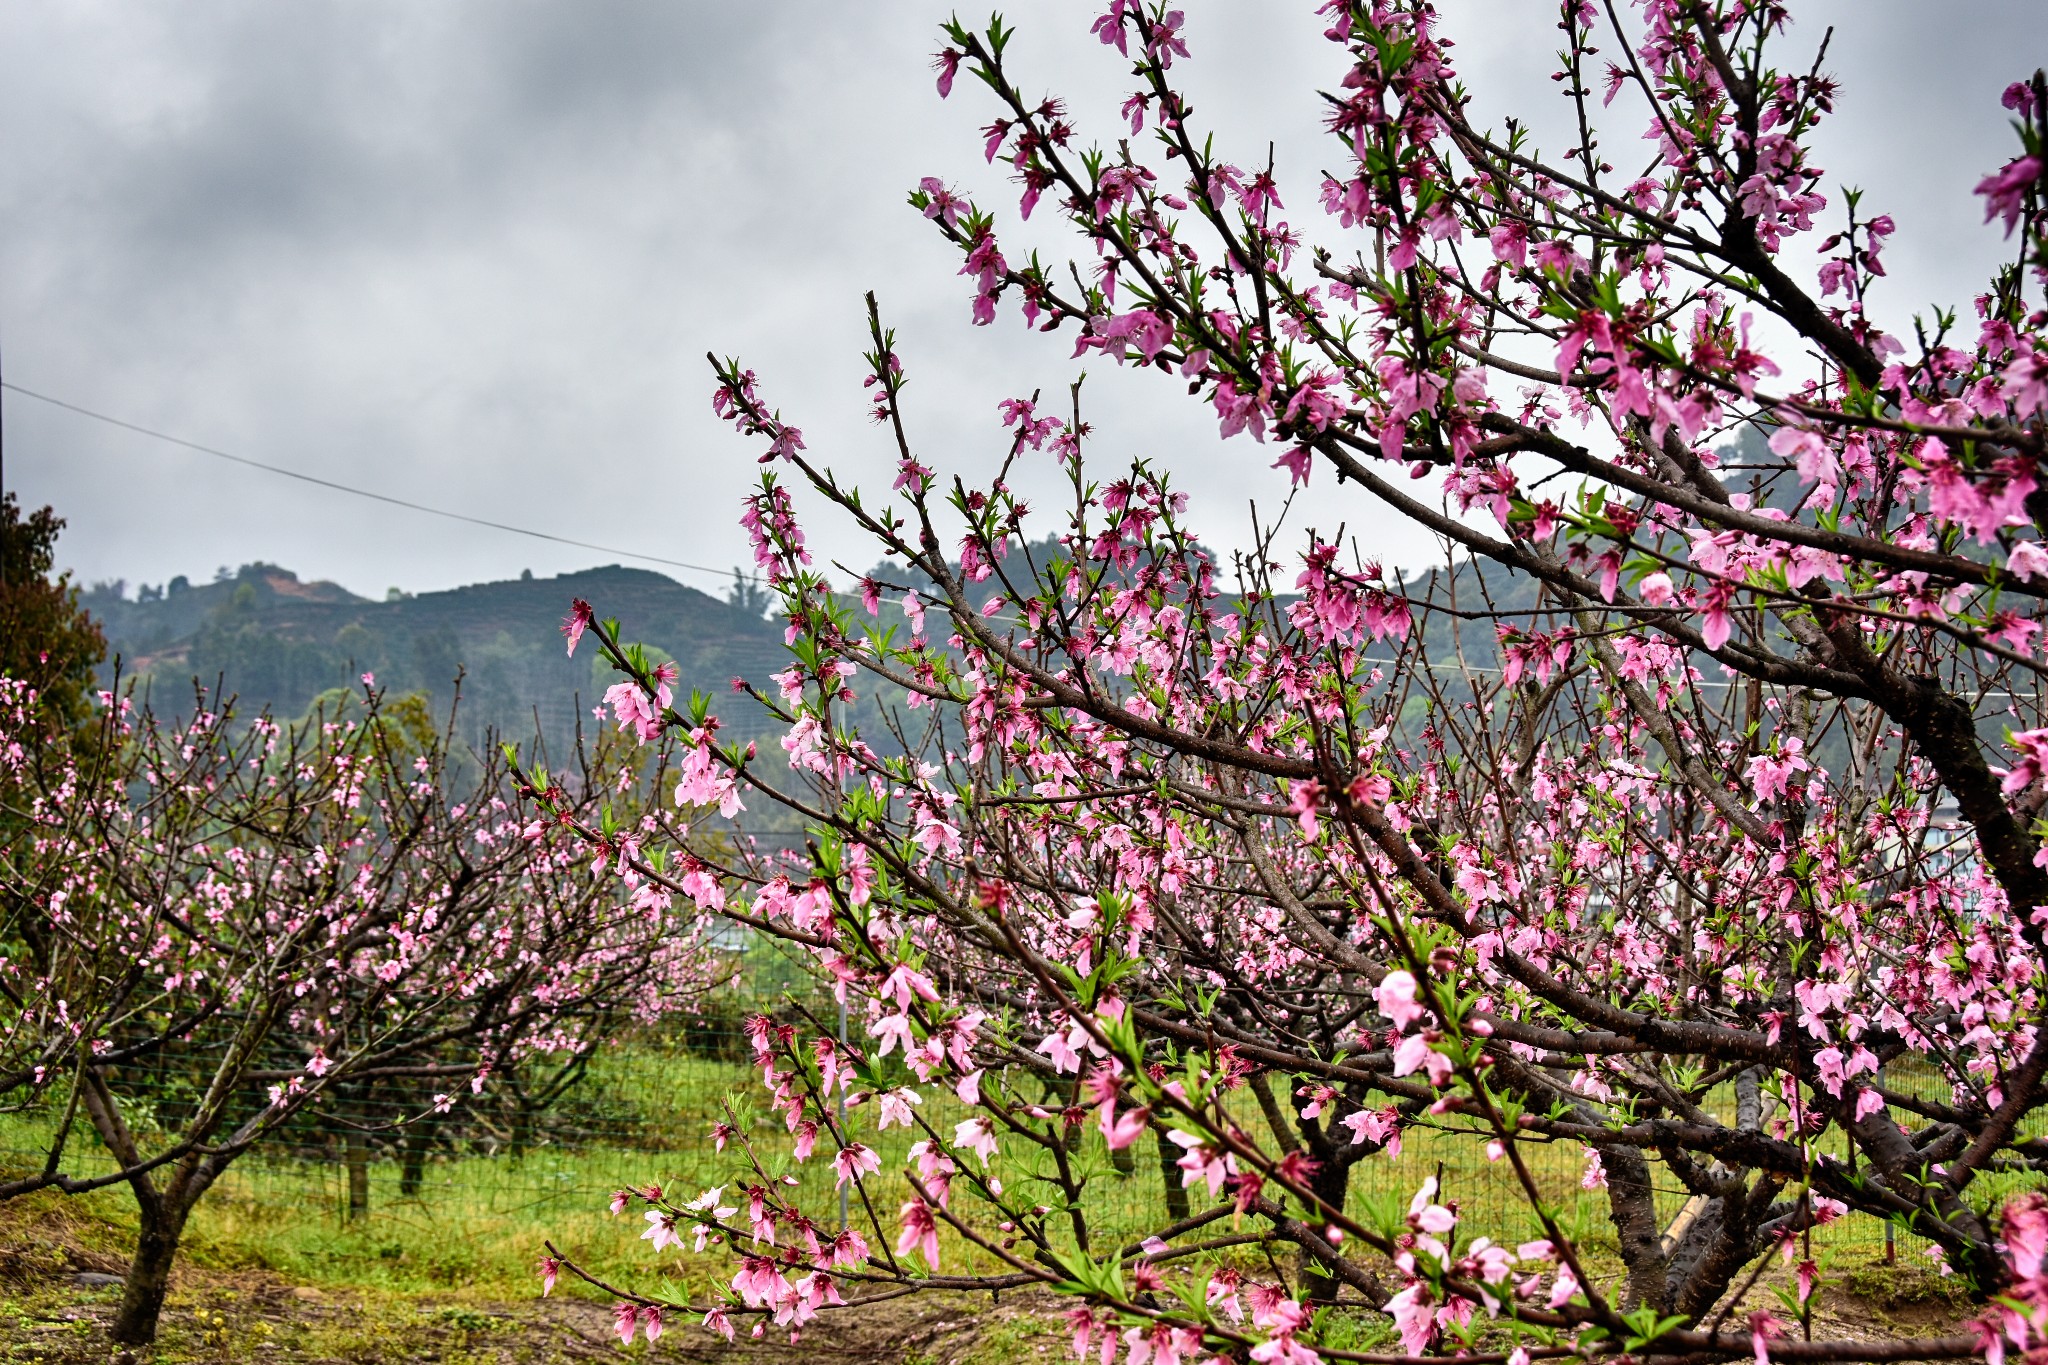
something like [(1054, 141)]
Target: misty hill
[(279, 642)]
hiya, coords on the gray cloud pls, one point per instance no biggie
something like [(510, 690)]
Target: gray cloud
[(473, 253)]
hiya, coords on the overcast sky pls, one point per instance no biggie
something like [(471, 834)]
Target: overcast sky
[(472, 254)]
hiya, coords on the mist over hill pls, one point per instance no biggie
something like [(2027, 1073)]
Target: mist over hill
[(277, 642)]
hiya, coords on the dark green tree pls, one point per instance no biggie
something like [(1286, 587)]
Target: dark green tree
[(46, 638)]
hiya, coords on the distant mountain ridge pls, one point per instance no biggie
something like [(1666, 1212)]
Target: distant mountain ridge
[(159, 622), (279, 641)]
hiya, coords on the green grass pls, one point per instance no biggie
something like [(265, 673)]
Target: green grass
[(478, 1223)]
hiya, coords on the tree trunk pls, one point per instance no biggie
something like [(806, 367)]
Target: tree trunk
[(1632, 1204), (1125, 1161), (149, 1278), (356, 1156), (523, 1124), (419, 1138), (1169, 1171), (1331, 1182)]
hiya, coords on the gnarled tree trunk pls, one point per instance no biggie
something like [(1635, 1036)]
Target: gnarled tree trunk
[(149, 1274), (355, 1155), (412, 1173), (1330, 1182), (1169, 1172)]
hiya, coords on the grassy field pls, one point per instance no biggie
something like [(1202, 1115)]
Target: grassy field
[(448, 1260), (479, 1221)]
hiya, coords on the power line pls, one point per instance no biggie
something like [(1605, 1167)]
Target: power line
[(345, 488)]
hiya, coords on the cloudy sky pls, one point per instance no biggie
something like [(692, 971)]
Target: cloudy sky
[(472, 254)]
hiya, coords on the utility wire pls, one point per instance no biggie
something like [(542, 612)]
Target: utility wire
[(345, 488), (1433, 665)]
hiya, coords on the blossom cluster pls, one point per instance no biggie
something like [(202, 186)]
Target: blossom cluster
[(1665, 820)]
